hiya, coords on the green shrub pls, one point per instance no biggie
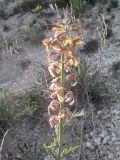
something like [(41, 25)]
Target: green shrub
[(28, 5), (108, 9), (10, 43), (14, 109), (78, 7), (31, 153), (28, 105), (5, 110), (104, 1), (90, 84), (109, 28), (91, 2), (37, 9), (60, 3), (2, 42), (109, 33), (114, 3), (33, 33), (116, 65), (91, 46)]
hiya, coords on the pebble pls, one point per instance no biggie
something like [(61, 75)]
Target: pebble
[(118, 148), (106, 139), (48, 157), (89, 145), (97, 142), (110, 156), (102, 135)]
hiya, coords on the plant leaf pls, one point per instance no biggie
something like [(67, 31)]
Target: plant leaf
[(48, 149), (79, 114), (69, 150)]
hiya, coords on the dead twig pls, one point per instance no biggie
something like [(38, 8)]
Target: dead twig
[(1, 146), (81, 139), (102, 31)]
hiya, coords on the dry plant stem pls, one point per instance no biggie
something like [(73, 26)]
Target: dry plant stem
[(1, 147), (61, 106), (81, 139)]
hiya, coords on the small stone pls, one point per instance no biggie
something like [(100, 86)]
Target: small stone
[(114, 139), (19, 157), (113, 134), (110, 156), (116, 112), (99, 112), (106, 139), (47, 158), (102, 135), (118, 148), (97, 142), (91, 134), (89, 145)]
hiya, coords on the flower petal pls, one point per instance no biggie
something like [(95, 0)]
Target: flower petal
[(64, 114), (46, 42), (58, 28), (54, 106), (60, 97), (78, 40), (54, 120), (52, 72), (60, 34), (69, 97)]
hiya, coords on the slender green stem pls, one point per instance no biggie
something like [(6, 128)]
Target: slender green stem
[(61, 106), (62, 78)]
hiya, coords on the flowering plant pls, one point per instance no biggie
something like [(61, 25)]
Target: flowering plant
[(62, 67)]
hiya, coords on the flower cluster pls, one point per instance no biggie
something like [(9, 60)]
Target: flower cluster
[(62, 64)]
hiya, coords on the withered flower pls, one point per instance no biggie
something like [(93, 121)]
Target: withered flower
[(68, 42), (56, 86), (76, 26), (47, 42), (60, 35), (59, 95), (57, 91), (64, 114), (72, 62), (54, 106), (72, 79), (57, 79), (69, 98), (55, 44), (58, 28), (52, 71), (54, 120), (77, 41)]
